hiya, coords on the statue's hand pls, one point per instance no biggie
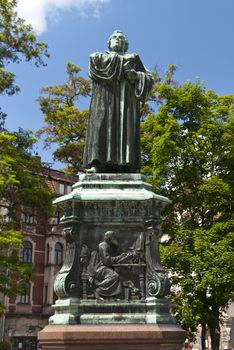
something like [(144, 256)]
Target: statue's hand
[(128, 61), (131, 75), (129, 57), (120, 258)]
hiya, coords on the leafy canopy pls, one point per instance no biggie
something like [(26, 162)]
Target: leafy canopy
[(65, 124), (188, 154), (17, 42)]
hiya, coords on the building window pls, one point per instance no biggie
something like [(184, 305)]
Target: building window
[(26, 253), (61, 188), (28, 218), (25, 343), (57, 218), (69, 189), (25, 297), (58, 254)]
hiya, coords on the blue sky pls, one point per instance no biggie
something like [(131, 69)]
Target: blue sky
[(196, 35)]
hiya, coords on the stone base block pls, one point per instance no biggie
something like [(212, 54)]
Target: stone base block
[(84, 312), (112, 337)]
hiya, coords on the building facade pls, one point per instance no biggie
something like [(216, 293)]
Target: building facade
[(43, 247)]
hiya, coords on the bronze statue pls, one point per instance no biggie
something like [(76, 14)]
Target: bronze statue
[(120, 84)]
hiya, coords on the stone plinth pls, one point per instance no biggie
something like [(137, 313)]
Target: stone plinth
[(112, 337), (124, 204), (138, 316)]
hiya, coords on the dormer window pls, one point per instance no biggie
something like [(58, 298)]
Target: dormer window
[(61, 188)]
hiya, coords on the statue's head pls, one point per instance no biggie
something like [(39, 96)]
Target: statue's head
[(118, 42), (110, 238)]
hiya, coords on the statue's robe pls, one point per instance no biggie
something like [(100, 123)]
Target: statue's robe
[(102, 275), (113, 134)]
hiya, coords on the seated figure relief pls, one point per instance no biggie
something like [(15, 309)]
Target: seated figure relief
[(103, 270)]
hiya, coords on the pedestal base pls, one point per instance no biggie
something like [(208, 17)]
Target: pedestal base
[(149, 311), (112, 337)]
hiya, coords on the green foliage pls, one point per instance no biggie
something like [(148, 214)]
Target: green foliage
[(201, 263), (188, 154), (21, 185), (17, 42), (65, 124), (20, 179)]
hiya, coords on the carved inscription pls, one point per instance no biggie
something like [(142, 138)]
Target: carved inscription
[(115, 211)]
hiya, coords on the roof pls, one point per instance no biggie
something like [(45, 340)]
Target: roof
[(58, 175)]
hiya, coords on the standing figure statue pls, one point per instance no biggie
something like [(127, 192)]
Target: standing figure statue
[(120, 84)]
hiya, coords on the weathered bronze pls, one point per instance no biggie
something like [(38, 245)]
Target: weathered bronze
[(112, 271), (100, 269), (121, 84)]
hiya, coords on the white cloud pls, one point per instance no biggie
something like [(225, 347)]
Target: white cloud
[(40, 12)]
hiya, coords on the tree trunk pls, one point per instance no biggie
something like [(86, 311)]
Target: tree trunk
[(215, 334), (203, 336)]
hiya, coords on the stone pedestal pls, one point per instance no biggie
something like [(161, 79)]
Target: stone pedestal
[(125, 204), (112, 337), (120, 300)]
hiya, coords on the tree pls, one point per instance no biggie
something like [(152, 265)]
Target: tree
[(188, 153), (65, 124), (17, 42), (21, 185)]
